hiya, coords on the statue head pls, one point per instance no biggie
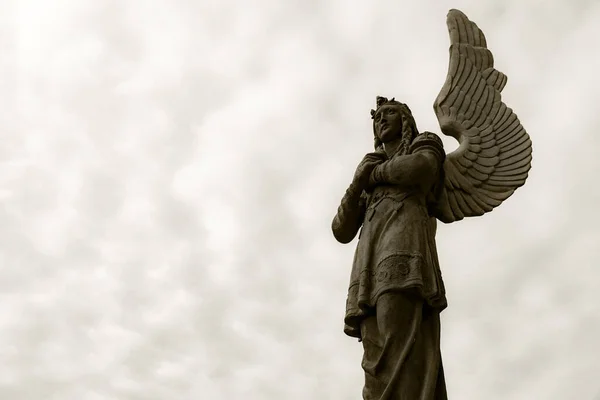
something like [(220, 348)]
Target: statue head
[(393, 120)]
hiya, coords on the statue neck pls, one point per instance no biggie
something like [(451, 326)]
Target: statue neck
[(392, 147)]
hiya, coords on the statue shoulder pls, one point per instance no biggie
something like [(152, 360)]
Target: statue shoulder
[(429, 141)]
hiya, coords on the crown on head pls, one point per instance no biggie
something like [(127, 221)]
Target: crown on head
[(380, 100)]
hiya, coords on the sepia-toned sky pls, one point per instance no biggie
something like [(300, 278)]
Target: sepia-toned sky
[(170, 170)]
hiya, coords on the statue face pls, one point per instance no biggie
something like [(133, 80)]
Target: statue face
[(388, 123)]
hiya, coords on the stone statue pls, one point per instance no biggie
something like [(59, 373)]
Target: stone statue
[(396, 292)]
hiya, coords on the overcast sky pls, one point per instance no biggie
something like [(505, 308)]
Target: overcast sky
[(170, 170)]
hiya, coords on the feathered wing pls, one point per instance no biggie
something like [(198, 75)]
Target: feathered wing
[(494, 155)]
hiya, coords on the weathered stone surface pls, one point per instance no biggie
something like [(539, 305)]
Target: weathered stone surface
[(397, 194)]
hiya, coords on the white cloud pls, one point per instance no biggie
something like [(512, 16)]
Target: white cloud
[(170, 171)]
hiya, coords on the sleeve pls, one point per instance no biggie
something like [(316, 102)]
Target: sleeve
[(429, 141), (350, 215), (420, 167)]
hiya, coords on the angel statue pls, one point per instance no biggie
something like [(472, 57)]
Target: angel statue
[(396, 291)]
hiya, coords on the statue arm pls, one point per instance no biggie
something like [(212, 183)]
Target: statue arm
[(421, 167), (350, 215)]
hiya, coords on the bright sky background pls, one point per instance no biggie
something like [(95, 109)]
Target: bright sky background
[(170, 170)]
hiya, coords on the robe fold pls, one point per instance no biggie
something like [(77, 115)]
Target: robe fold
[(396, 291)]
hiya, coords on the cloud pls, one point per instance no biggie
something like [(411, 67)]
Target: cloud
[(171, 169)]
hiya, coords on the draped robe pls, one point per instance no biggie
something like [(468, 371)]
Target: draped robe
[(396, 292)]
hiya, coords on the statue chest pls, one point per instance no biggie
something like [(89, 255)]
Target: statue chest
[(391, 199)]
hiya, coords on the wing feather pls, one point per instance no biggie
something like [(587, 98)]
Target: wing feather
[(525, 163), (514, 172), (516, 134), (520, 142), (488, 162), (495, 78), (487, 133), (471, 156), (502, 117), (479, 90), (483, 169), (483, 203), (460, 200), (494, 154), (456, 211), (472, 205), (489, 144), (465, 162), (475, 174), (495, 196), (489, 152), (512, 155), (507, 126)]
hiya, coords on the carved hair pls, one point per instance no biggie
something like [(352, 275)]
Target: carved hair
[(409, 127)]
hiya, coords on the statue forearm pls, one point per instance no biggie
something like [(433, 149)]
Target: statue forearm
[(349, 217), (418, 169)]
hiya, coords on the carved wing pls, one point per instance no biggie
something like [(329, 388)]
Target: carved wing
[(494, 155)]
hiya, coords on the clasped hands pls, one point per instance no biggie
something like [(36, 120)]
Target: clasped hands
[(363, 179)]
